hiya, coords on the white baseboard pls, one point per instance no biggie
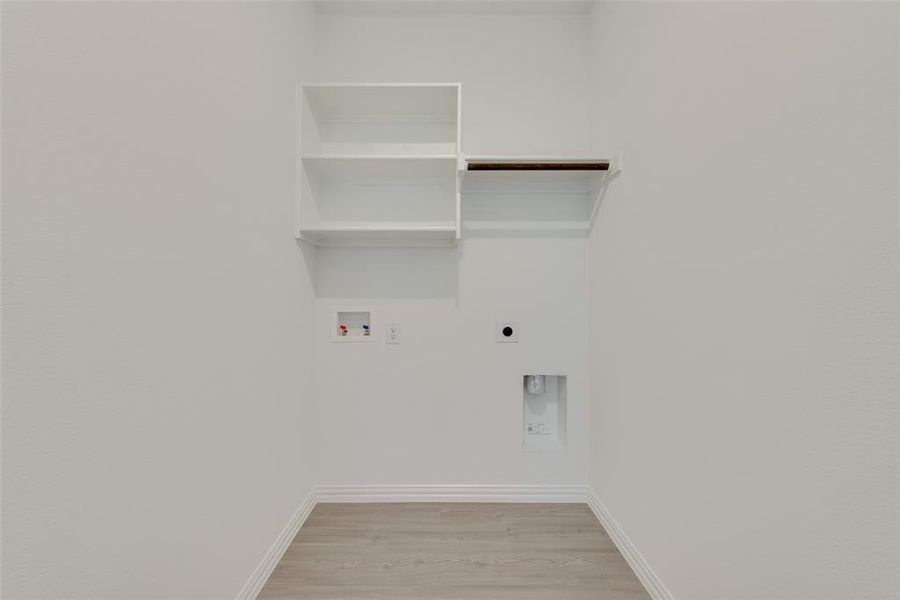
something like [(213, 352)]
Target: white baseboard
[(455, 493), (268, 563), (451, 493), (633, 557)]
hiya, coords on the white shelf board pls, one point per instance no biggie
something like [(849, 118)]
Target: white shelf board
[(525, 226), (381, 84), (386, 234), (362, 165), (399, 149)]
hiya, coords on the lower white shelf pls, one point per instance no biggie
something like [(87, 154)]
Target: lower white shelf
[(528, 226), (380, 235)]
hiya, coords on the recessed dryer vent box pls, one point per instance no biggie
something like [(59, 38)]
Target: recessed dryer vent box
[(353, 325), (544, 413)]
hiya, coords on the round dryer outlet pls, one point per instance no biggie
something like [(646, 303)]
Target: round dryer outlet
[(507, 331)]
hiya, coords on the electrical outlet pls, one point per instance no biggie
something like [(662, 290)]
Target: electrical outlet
[(507, 332), (393, 333)]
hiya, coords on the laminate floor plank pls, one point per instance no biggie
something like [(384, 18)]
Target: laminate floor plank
[(452, 551)]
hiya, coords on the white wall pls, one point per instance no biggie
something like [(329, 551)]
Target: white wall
[(158, 414), (744, 295), (445, 406), (157, 380)]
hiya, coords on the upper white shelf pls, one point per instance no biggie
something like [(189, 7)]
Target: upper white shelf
[(386, 234), (380, 119), (380, 166)]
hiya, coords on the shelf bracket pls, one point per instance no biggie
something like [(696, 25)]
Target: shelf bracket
[(599, 192)]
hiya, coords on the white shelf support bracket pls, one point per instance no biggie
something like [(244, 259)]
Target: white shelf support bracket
[(459, 177), (599, 193)]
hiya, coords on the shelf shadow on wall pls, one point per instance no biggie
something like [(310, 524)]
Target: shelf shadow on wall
[(399, 273)]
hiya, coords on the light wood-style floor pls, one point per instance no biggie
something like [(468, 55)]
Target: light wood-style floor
[(454, 551)]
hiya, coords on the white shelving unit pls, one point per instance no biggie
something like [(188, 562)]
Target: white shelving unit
[(379, 164), (557, 195)]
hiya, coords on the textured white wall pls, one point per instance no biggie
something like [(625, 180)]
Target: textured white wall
[(158, 406), (744, 295), (445, 406), (157, 381)]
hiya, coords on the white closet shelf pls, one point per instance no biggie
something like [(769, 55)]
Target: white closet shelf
[(535, 226), (387, 234), (362, 165)]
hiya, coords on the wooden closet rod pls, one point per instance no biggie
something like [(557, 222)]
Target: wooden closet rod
[(538, 166)]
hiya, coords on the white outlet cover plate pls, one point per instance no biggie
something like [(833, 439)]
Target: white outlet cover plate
[(502, 338), (393, 333)]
